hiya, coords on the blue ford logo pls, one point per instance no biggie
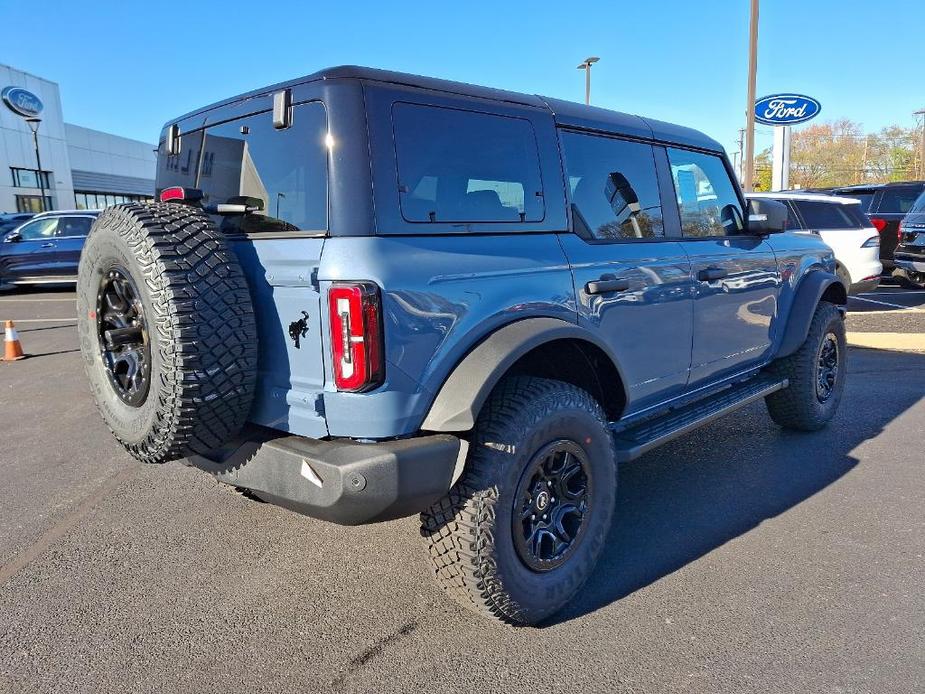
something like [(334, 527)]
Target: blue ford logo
[(22, 101), (786, 109)]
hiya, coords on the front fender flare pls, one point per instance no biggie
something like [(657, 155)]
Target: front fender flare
[(807, 298), (469, 384)]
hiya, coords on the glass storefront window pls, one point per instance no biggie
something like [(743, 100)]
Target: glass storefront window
[(29, 178)]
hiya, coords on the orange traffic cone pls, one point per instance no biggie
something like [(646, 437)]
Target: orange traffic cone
[(12, 348)]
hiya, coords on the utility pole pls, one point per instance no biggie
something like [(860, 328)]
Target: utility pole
[(586, 66), (740, 168), (862, 174), (749, 158)]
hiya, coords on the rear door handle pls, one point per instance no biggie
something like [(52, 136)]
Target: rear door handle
[(47, 245), (711, 274), (602, 286)]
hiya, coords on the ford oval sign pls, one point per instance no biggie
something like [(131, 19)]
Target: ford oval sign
[(786, 109), (22, 101)]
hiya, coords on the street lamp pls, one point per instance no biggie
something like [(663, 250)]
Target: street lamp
[(586, 66), (34, 123)]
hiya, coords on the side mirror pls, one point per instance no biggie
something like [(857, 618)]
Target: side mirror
[(766, 216), (12, 237)]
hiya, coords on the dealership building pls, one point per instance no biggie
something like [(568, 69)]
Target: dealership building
[(80, 168)]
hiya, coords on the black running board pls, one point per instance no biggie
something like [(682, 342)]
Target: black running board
[(633, 441)]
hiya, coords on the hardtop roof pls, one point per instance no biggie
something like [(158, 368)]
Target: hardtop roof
[(565, 113)]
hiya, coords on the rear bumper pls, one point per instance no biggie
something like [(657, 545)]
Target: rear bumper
[(341, 481), (913, 263), (867, 285)]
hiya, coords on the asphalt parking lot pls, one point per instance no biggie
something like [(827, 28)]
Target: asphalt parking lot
[(742, 558)]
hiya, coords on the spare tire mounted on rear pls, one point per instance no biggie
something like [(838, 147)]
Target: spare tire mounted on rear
[(167, 330)]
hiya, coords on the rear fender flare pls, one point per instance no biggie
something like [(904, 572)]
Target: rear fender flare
[(468, 386), (808, 295)]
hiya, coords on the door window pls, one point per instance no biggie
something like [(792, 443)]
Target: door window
[(706, 195), (613, 186), (74, 226), (39, 229)]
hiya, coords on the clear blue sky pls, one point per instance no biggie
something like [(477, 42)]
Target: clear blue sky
[(126, 67)]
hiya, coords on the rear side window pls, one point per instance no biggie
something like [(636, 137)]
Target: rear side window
[(74, 226), (613, 186), (919, 205), (830, 215), (464, 166), (898, 200), (282, 173), (864, 198), (706, 196)]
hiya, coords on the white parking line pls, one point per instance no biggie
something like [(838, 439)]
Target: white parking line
[(12, 300), (909, 291), (44, 320), (886, 303), (858, 312)]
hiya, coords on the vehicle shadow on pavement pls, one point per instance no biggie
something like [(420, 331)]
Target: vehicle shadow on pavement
[(681, 502)]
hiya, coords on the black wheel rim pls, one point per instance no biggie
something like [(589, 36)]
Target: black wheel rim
[(551, 505), (123, 337), (827, 367)]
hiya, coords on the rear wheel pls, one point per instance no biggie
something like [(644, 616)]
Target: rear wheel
[(520, 532), (167, 330), (816, 373)]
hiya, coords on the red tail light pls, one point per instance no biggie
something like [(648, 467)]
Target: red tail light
[(180, 194), (879, 224), (356, 335), (174, 193)]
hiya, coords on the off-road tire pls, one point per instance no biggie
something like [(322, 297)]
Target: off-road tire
[(469, 532), (201, 330), (797, 406)]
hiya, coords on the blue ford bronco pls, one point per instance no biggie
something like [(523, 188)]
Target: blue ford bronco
[(364, 295)]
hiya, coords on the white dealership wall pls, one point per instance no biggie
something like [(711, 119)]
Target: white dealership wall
[(78, 158)]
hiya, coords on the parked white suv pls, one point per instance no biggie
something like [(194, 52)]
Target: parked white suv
[(844, 227)]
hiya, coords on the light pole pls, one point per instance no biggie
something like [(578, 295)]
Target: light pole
[(749, 159), (34, 123), (921, 168), (278, 196), (586, 66)]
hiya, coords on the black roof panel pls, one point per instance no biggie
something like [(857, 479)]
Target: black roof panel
[(565, 112)]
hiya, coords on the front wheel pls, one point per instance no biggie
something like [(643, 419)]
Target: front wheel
[(816, 373), (519, 533)]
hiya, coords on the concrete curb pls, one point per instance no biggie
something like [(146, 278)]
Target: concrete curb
[(902, 342)]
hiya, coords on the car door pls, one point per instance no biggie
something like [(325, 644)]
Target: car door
[(632, 281), (735, 275), (70, 237), (29, 252)]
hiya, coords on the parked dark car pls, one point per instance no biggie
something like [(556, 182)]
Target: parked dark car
[(910, 252), (10, 221), (46, 249), (885, 204)]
